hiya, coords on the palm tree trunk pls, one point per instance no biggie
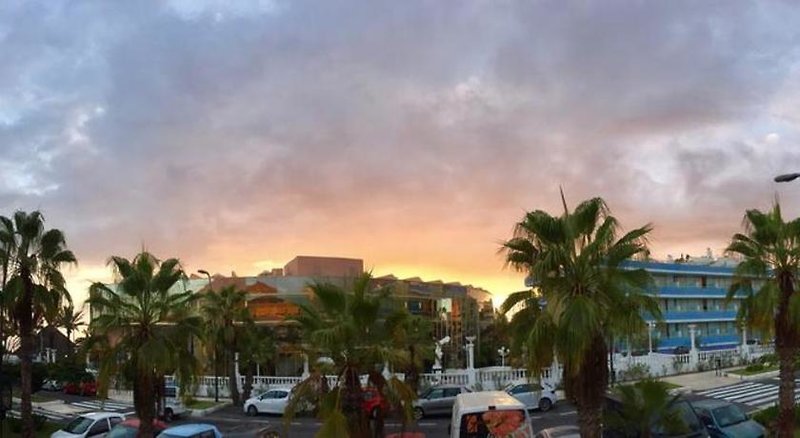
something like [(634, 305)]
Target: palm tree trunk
[(786, 346), (247, 388), (352, 401), (24, 314), (233, 380), (144, 404), (589, 386)]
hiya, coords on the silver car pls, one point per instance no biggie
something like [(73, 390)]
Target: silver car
[(438, 400)]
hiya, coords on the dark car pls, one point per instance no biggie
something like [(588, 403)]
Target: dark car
[(693, 427), (724, 419)]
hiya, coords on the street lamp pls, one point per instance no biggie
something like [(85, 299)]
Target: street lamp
[(216, 362), (503, 352), (787, 177)]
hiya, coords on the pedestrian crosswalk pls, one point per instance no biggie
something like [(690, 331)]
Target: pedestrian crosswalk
[(759, 395), (98, 405)]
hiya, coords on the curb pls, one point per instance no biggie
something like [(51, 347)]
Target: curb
[(195, 413), (766, 375)]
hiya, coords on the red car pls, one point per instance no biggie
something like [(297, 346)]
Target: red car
[(83, 388), (374, 402)]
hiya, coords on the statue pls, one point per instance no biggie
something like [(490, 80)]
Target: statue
[(437, 367)]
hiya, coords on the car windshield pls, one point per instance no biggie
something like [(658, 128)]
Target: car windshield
[(729, 415), (494, 423), (78, 425), (688, 420)]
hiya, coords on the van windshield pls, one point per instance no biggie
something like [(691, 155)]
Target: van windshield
[(495, 423)]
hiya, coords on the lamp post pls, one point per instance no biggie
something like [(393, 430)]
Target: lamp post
[(787, 177), (650, 325), (216, 362), (503, 352)]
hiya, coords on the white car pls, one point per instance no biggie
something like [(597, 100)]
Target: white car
[(52, 385), (173, 406), (273, 401), (96, 424), (533, 395)]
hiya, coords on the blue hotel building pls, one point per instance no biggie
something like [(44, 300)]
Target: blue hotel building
[(693, 292)]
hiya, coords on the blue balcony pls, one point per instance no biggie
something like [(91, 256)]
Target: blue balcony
[(680, 268), (711, 342), (697, 316), (694, 292)]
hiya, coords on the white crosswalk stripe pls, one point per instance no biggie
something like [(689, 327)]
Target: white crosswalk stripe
[(107, 406), (759, 395)]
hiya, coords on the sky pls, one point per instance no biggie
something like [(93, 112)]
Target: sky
[(411, 134)]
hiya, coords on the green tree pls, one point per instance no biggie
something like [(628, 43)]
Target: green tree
[(348, 328), (69, 319), (143, 324), (646, 406), (34, 289), (576, 261), (768, 278), (225, 312)]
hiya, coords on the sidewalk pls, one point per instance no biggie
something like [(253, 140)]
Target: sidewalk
[(701, 381)]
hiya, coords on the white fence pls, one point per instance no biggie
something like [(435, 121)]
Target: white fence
[(625, 367)]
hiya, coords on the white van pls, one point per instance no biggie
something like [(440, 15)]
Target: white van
[(489, 414)]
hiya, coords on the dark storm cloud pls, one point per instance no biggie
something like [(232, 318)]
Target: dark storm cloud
[(193, 125)]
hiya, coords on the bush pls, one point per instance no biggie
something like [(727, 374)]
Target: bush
[(768, 417), (638, 371), (754, 368)]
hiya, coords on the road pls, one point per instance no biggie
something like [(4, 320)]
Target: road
[(750, 396)]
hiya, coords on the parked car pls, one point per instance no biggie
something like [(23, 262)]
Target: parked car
[(173, 405), (273, 401), (374, 402), (90, 425), (489, 414), (437, 400), (560, 432), (724, 419), (693, 427), (130, 428), (52, 385), (192, 430), (83, 388), (533, 395)]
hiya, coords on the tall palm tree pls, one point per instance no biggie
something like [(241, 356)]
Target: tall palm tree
[(143, 319), (576, 262), (224, 312), (349, 328), (35, 288), (69, 319), (768, 278)]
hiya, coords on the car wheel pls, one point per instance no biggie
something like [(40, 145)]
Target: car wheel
[(168, 415), (545, 404), (418, 413), (252, 411)]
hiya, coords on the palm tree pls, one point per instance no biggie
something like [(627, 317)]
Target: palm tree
[(35, 287), (146, 323), (644, 407), (256, 346), (224, 311), (348, 328), (576, 262), (69, 320), (768, 278)]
